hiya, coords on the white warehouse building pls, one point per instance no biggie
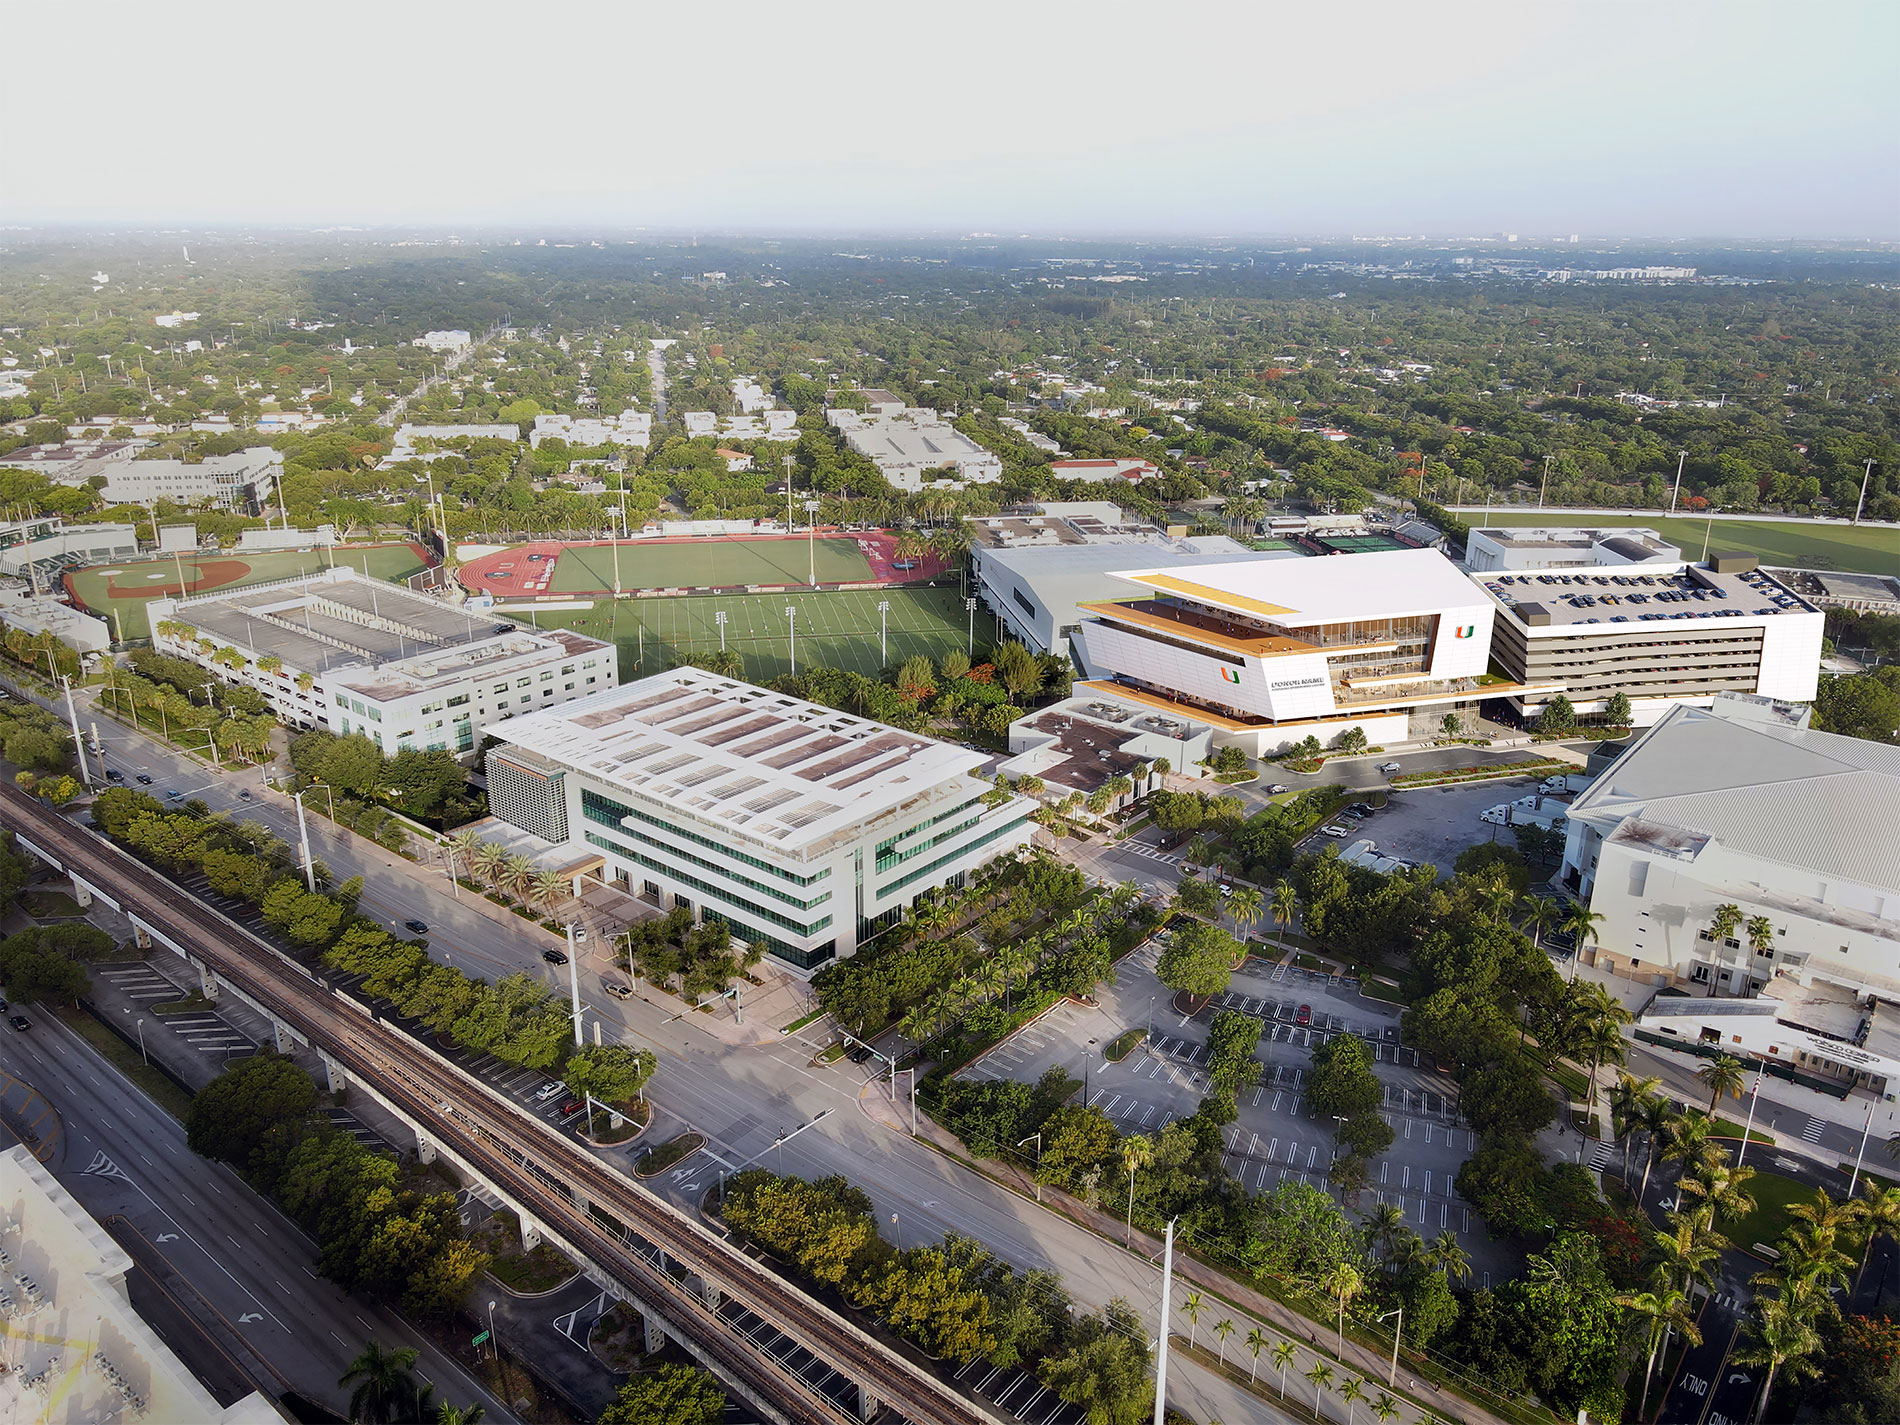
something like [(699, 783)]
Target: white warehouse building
[(347, 654), (791, 823), (1267, 653)]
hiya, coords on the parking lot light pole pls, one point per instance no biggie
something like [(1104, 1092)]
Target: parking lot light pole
[(1393, 1374)]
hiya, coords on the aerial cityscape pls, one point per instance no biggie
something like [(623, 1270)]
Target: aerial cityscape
[(679, 752)]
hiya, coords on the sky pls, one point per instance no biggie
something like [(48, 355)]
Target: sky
[(1257, 118)]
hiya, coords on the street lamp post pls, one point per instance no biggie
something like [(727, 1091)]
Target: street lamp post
[(791, 616), (494, 1346), (1398, 1327), (883, 619)]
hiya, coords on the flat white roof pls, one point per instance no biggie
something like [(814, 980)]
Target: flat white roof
[(1335, 588), (774, 769), (1622, 598)]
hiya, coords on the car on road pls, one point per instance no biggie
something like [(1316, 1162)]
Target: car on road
[(244, 796), (554, 957), (1391, 769), (1276, 789), (143, 780), (620, 991), (860, 1053), (420, 927), (113, 774), (1337, 831), (1303, 1016), (174, 795), (20, 1021), (549, 1090)]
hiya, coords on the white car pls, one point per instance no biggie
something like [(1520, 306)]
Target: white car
[(549, 1090), (1391, 769), (1276, 789), (1336, 831)]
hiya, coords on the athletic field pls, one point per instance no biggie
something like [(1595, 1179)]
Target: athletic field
[(118, 592), (548, 569), (1852, 549), (837, 629)]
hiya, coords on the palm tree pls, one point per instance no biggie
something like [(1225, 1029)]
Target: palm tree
[(1382, 1229), (446, 1414), (517, 874), (1724, 1077), (1352, 1392), (1343, 1283), (1224, 1328), (1321, 1375), (1138, 1152), (547, 887), (1827, 1219), (1688, 1142), (1722, 927), (1687, 1255), (1880, 1214), (1191, 1305), (1449, 1257), (486, 859), (1282, 1358), (1722, 1190), (1286, 905), (1244, 906), (1256, 1343), (1665, 1309), (1655, 1117), (1540, 914), (383, 1383), (1602, 1040), (1581, 922), (1495, 898), (1385, 1407), (1785, 1339), (1625, 1099), (1761, 934)]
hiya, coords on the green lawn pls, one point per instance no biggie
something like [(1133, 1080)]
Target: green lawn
[(124, 588), (706, 563), (836, 629), (1773, 1195), (1867, 549)]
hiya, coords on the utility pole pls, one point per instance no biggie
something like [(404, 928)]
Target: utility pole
[(1682, 458), (1161, 1357), (79, 743), (303, 838), (1545, 481), (1861, 503), (574, 982)]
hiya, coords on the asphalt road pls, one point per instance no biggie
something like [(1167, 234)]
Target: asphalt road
[(118, 1153), (743, 1100)]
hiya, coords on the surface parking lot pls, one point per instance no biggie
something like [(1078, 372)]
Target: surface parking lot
[(1433, 824), (1276, 1139)]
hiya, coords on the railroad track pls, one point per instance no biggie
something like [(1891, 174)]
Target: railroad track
[(545, 1172)]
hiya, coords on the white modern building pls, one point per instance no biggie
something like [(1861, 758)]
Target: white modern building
[(349, 654), (21, 608), (72, 462), (1659, 633), (632, 428), (450, 341), (779, 426), (76, 1348), (791, 823), (913, 447), (1037, 569), (241, 482), (1743, 804), (1512, 550), (1270, 652)]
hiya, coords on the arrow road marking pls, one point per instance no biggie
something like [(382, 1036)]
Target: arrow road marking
[(166, 1237), (249, 1317)]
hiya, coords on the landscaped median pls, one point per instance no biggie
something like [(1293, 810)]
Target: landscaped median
[(1448, 776), (662, 1156)]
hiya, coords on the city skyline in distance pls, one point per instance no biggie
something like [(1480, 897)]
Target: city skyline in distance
[(1707, 121)]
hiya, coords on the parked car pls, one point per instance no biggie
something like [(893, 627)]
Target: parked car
[(1391, 769), (143, 780), (1336, 831), (419, 927), (570, 1106), (554, 957), (549, 1090), (1303, 1016)]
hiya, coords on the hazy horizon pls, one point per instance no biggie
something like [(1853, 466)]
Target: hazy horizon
[(1687, 121)]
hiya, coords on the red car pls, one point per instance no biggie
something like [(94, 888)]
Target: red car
[(1304, 1016)]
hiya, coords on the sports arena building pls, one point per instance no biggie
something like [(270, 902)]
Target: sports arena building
[(1269, 653), (795, 825)]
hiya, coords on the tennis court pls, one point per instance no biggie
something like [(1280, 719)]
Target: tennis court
[(1358, 543), (119, 592), (835, 629)]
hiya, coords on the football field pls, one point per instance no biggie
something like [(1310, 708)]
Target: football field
[(835, 630), (706, 563)]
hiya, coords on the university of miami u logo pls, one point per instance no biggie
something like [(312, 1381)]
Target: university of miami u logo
[(1464, 632), (1231, 676)]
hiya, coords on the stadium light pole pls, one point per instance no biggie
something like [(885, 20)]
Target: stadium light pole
[(811, 541), (969, 607), (1682, 459), (720, 619), (788, 495), (883, 619), (791, 615)]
